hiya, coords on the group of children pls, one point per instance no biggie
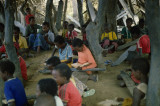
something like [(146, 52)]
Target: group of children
[(64, 88)]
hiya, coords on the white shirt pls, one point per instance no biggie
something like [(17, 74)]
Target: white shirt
[(58, 101), (50, 36)]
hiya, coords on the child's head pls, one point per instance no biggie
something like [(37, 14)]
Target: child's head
[(62, 73), (7, 69), (16, 31), (45, 27), (28, 10), (129, 22), (65, 24), (140, 67), (135, 31), (45, 100), (59, 42), (107, 27), (77, 44), (32, 20), (71, 27), (1, 27), (48, 86), (52, 62)]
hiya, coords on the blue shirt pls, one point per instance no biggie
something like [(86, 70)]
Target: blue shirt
[(66, 53), (14, 91)]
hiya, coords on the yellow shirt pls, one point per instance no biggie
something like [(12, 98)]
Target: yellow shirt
[(111, 36), (22, 42), (64, 31)]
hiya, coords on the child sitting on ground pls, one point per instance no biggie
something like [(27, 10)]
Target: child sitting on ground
[(65, 28), (67, 91), (71, 34), (109, 39), (49, 86), (45, 100), (64, 50), (13, 88)]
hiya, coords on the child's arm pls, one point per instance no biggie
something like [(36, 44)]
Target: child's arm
[(11, 104), (137, 97)]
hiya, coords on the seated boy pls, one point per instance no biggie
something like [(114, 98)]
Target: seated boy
[(126, 35), (19, 39), (64, 50), (140, 69), (67, 91), (109, 39), (71, 34), (84, 56), (44, 39), (13, 88)]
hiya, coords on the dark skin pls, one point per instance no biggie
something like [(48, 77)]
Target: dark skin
[(62, 47), (61, 80), (5, 76), (16, 36), (80, 49), (45, 29), (137, 94)]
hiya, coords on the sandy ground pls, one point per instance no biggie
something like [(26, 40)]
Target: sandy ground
[(106, 88)]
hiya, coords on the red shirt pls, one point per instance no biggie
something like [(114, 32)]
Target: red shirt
[(144, 43), (27, 18), (69, 93), (23, 68), (72, 36)]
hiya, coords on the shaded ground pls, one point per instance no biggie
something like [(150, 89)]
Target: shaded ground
[(106, 88)]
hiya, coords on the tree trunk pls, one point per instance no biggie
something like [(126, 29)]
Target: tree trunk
[(10, 49), (75, 12), (48, 17), (1, 12), (65, 9), (59, 15), (111, 14), (55, 13), (153, 20), (80, 14)]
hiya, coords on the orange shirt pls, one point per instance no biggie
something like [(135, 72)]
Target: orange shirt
[(86, 56)]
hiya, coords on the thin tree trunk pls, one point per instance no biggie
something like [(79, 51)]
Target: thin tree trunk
[(59, 15), (55, 13), (80, 14), (10, 49), (1, 12), (153, 20), (65, 10), (48, 17)]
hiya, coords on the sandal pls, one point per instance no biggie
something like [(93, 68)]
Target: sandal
[(108, 62), (89, 93)]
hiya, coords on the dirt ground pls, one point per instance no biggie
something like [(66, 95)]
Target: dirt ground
[(106, 88)]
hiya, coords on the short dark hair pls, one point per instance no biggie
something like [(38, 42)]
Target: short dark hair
[(54, 61), (46, 24), (142, 65), (7, 66), (59, 39), (48, 86), (71, 25), (16, 29), (77, 42), (64, 70), (65, 22), (30, 18), (28, 9), (129, 20), (135, 30), (84, 26)]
